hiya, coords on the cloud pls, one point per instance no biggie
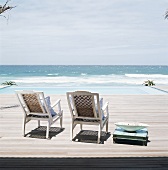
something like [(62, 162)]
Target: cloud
[(60, 31)]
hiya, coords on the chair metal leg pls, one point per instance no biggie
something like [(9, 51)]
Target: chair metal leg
[(72, 127), (38, 123), (106, 126), (47, 131), (99, 134), (61, 122), (24, 126), (80, 126)]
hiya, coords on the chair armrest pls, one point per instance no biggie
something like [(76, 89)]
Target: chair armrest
[(57, 103), (105, 108)]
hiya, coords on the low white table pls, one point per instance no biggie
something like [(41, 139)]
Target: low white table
[(139, 135)]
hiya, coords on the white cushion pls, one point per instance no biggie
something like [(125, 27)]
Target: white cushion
[(101, 105), (131, 126), (48, 102)]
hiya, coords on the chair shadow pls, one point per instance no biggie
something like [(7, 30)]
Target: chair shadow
[(88, 136), (40, 132)]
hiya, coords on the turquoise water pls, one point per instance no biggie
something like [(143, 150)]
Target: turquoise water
[(101, 90), (57, 79), (82, 76)]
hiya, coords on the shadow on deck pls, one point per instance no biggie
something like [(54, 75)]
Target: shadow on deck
[(90, 136), (40, 132)]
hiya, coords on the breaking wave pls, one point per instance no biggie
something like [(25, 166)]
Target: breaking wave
[(146, 76), (89, 80)]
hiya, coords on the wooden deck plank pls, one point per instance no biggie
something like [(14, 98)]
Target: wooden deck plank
[(150, 109)]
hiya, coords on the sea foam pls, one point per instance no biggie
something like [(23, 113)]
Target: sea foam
[(146, 75), (102, 80)]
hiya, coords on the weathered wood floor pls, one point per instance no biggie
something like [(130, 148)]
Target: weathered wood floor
[(150, 109)]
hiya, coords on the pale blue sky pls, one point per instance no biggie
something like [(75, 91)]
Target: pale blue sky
[(112, 32)]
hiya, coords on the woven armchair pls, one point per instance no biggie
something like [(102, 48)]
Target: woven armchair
[(36, 107), (85, 109)]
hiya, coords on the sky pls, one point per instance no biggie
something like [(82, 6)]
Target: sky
[(84, 32)]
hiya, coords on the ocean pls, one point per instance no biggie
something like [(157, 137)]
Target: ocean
[(82, 75)]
